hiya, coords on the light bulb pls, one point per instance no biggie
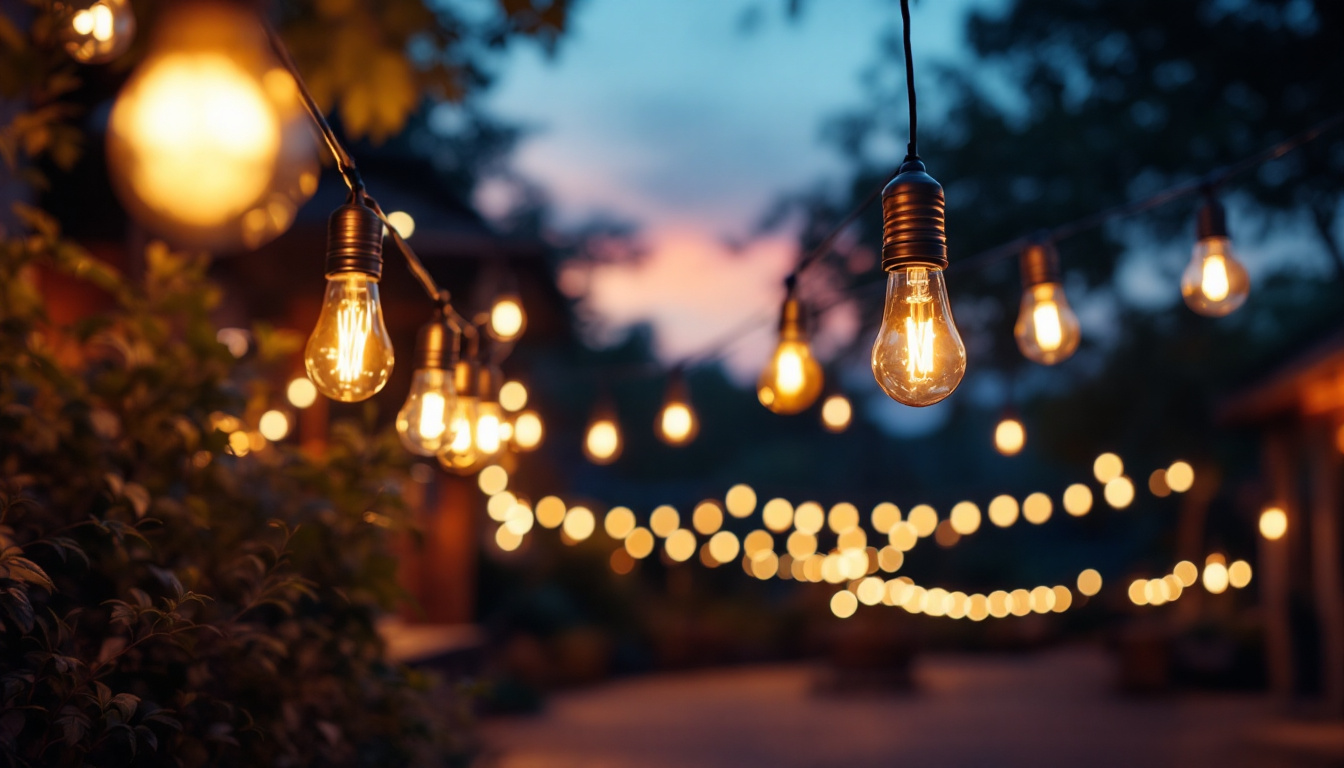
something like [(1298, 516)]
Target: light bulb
[(349, 356), (507, 318), (100, 32), (1009, 436), (918, 358), (602, 441), (677, 423), (792, 379), (1047, 330), (489, 422), (424, 421), (459, 454), (836, 413), (1214, 283)]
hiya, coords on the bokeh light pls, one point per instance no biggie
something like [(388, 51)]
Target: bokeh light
[(1089, 582), (1273, 523), (809, 517), (664, 520), (513, 396), (885, 515), (844, 604), (639, 543), (301, 392), (1157, 483), (1215, 577), (579, 523), (777, 514), (1003, 511), (527, 430), (924, 518), (740, 501), (403, 223), (723, 546), (274, 426), (492, 480), (1009, 437), (965, 518), (618, 523), (1186, 572), (836, 413), (550, 512), (1239, 574), (1107, 467), (1180, 477), (707, 517), (843, 517), (680, 545), (1077, 499), (1037, 508), (1119, 492)]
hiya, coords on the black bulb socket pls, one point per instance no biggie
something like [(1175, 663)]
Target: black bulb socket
[(1212, 220), (355, 241), (914, 228), (1039, 265), (791, 325), (433, 347)]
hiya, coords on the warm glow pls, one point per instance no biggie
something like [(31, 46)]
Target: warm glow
[(499, 504), (301, 393), (1273, 523), (602, 444), (836, 413), (777, 514), (273, 426), (579, 524), (1037, 508), (925, 520), (740, 501), (493, 479), (707, 517), (764, 564), (1239, 574), (1049, 333), (1107, 467), (639, 543), (1215, 577), (1180, 477), (1019, 602), (1042, 600), (871, 590), (488, 422), (527, 430), (1003, 511), (890, 559), (723, 546), (965, 518), (1186, 572), (918, 358), (506, 539), (507, 318), (621, 561), (756, 542), (885, 515), (809, 517), (903, 536), (1119, 492), (403, 223), (801, 545), (349, 354), (664, 520), (1063, 598), (1214, 283), (239, 444), (1157, 483), (519, 519), (680, 545), (677, 424), (1077, 499), (1047, 330), (946, 535), (843, 517), (1138, 592), (551, 510), (1009, 437), (792, 378), (1089, 582), (513, 396), (618, 523), (844, 604)]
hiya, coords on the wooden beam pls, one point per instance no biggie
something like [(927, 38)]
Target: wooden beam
[(1327, 579), (1275, 561)]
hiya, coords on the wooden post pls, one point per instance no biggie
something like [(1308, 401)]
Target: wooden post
[(1275, 576), (1327, 580), (447, 558)]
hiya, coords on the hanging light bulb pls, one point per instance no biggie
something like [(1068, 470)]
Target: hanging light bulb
[(1047, 329), (836, 413), (602, 441), (918, 357), (424, 422), (507, 318), (459, 455), (489, 437), (677, 423), (1215, 283), (792, 379), (349, 355), (100, 32), (1009, 436)]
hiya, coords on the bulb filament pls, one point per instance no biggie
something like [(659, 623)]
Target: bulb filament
[(353, 325), (1049, 329), (919, 327), (1215, 283), (431, 416), (790, 372)]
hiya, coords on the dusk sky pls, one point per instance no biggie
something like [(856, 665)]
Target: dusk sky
[(671, 116)]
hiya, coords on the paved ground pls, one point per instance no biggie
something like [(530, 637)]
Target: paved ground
[(1052, 709)]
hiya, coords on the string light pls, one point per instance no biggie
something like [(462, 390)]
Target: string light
[(301, 393), (1273, 523), (460, 454), (602, 442), (487, 436), (1047, 330), (273, 425), (792, 379), (507, 318), (424, 422), (918, 358), (836, 413), (513, 396), (528, 431), (1214, 284), (101, 32), (677, 423), (1009, 436)]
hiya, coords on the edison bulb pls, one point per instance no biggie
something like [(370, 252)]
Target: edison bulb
[(489, 422), (1215, 283), (918, 357), (507, 319), (423, 422), (792, 379), (459, 454), (1047, 330), (349, 355), (101, 32), (602, 441)]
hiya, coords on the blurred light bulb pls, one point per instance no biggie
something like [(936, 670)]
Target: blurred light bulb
[(301, 393), (792, 379), (677, 423), (1047, 330), (1009, 436), (527, 430), (403, 222), (602, 441), (507, 318), (349, 356), (100, 32), (273, 425), (836, 413), (489, 435), (459, 453), (1273, 523), (918, 357), (424, 420), (1214, 283)]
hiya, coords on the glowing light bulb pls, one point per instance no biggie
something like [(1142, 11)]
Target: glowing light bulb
[(1214, 283), (836, 413), (1009, 436), (918, 358), (1273, 523), (101, 32), (507, 318), (423, 422), (677, 423), (1047, 330), (489, 433), (792, 379), (349, 356), (458, 453), (528, 430), (602, 441)]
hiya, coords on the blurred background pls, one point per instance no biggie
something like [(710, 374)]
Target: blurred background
[(1152, 528)]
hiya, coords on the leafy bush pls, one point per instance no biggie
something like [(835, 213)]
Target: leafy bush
[(163, 601)]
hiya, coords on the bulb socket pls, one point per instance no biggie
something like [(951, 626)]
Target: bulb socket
[(1039, 264), (791, 321), (488, 379), (1211, 220), (914, 229), (465, 378), (355, 241), (433, 350)]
